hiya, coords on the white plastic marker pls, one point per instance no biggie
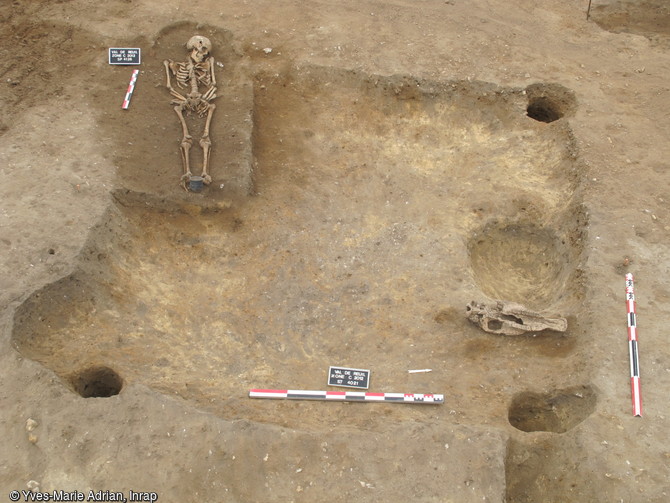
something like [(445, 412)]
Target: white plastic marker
[(131, 88), (632, 346), (417, 371), (347, 396)]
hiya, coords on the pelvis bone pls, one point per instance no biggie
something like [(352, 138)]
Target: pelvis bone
[(509, 318)]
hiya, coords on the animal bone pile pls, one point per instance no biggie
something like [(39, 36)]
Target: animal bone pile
[(508, 318), (197, 71)]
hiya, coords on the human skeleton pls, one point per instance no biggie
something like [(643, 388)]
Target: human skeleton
[(197, 71)]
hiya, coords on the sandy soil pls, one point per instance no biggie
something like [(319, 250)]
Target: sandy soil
[(376, 166)]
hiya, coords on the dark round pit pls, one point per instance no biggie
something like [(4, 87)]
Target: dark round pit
[(97, 382)]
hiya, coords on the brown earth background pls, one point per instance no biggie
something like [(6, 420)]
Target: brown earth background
[(376, 166)]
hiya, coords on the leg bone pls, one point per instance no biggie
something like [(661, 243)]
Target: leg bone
[(185, 147), (206, 144)]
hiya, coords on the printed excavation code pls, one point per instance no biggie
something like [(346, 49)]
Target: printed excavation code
[(25, 495), (348, 378)]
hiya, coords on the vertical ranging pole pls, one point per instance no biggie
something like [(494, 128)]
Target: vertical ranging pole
[(131, 88), (632, 346)]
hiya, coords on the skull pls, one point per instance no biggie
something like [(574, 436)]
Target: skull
[(199, 48), (508, 318)]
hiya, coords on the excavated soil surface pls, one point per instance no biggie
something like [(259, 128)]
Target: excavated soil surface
[(205, 302), (376, 166)]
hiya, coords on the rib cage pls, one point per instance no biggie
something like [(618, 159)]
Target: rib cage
[(182, 75), (189, 74), (200, 71)]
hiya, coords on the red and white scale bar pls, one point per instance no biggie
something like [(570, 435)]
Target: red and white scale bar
[(632, 346), (131, 88), (347, 396)]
